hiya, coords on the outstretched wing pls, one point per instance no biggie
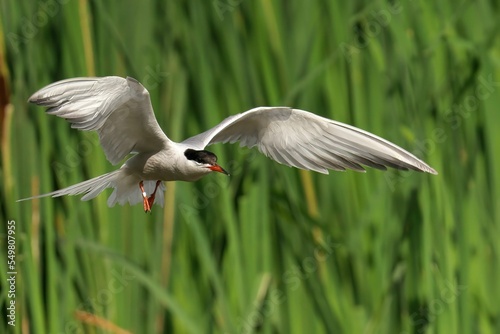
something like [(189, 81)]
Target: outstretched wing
[(118, 109), (304, 140)]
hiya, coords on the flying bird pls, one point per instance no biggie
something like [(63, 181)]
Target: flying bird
[(120, 110)]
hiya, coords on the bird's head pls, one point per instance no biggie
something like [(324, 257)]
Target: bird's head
[(203, 161)]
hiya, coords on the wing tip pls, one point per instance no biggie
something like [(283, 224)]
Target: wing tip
[(431, 170), (35, 98), (421, 166)]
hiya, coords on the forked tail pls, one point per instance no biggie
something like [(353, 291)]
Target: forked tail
[(126, 189)]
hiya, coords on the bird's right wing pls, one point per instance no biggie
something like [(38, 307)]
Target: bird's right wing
[(304, 140), (118, 109)]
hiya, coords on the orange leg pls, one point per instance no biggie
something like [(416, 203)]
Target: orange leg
[(151, 199), (147, 207)]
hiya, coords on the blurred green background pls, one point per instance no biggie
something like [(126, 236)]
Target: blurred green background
[(270, 249)]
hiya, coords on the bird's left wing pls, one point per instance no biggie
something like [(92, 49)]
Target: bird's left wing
[(304, 140), (118, 109)]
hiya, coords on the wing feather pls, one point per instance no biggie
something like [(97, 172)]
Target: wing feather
[(304, 140), (118, 109)]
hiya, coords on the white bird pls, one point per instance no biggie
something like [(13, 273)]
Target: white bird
[(120, 111)]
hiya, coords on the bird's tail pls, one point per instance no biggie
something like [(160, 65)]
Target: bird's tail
[(126, 189)]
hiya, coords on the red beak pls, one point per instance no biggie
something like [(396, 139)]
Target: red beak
[(217, 168)]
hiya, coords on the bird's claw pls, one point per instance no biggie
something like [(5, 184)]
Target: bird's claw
[(148, 201), (151, 200), (147, 205)]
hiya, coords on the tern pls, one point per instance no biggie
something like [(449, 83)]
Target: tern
[(120, 110)]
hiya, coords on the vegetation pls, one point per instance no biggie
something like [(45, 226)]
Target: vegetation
[(270, 249)]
